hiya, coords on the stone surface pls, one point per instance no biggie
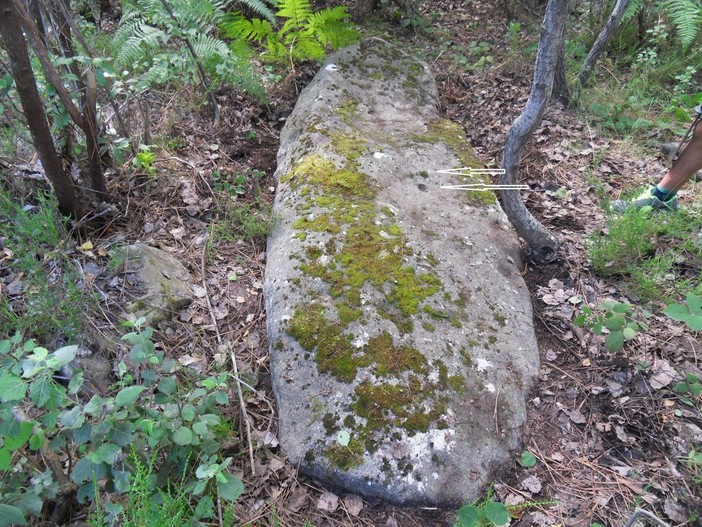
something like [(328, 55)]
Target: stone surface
[(400, 328), (165, 282)]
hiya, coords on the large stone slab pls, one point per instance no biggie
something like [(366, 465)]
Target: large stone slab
[(400, 328)]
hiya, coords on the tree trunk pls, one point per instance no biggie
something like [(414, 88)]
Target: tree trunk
[(602, 40), (539, 239), (16, 47), (560, 84)]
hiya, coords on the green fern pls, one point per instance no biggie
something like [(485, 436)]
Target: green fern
[(633, 9), (686, 16), (149, 43), (258, 7), (304, 35)]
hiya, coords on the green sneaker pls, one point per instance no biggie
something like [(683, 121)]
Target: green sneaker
[(647, 199)]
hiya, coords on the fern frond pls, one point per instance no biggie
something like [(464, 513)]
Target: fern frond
[(633, 9), (308, 49), (685, 15), (240, 27), (331, 28), (260, 8), (142, 37), (297, 13)]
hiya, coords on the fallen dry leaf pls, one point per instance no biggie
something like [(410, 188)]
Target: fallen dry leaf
[(328, 502), (353, 504)]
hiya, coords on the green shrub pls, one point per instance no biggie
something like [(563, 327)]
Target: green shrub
[(171, 418)]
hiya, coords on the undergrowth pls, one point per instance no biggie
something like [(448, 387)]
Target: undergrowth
[(658, 254), (46, 297)]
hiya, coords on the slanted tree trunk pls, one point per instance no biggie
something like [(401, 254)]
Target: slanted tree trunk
[(20, 65), (602, 40), (539, 239), (85, 121)]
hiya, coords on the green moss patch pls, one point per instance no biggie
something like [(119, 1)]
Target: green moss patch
[(453, 136)]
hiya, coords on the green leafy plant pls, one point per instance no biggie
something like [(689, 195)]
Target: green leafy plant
[(175, 423), (616, 317), (646, 249), (47, 298), (409, 15), (144, 160), (689, 389), (149, 45), (304, 35), (689, 312), (483, 513), (694, 463), (527, 459)]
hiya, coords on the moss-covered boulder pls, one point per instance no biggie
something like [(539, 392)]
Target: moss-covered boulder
[(400, 328)]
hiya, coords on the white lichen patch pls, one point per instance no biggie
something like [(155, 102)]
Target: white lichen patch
[(483, 365)]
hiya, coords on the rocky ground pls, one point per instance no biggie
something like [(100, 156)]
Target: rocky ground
[(607, 430)]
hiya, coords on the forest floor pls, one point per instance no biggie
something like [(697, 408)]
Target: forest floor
[(608, 431)]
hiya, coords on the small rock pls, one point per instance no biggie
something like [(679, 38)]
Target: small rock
[(328, 502)]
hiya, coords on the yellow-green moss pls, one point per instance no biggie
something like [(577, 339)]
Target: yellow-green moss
[(453, 136), (346, 457), (349, 145), (334, 353), (348, 111), (390, 359)]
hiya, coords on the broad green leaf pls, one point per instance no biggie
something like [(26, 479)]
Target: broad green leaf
[(681, 387), (469, 516), (40, 391), (107, 453), (183, 436), (695, 322), (85, 470), (696, 389), (694, 302), (37, 440), (95, 406), (72, 418), (200, 428), (677, 312), (121, 480), (5, 347), (614, 341), (527, 459), (65, 355), (221, 397), (12, 388), (167, 385), (9, 515), (76, 383), (628, 333), (128, 396), (579, 320), (188, 412), (231, 488), (615, 323), (496, 513), (18, 440), (622, 308), (5, 459)]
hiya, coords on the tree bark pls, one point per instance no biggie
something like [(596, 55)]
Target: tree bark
[(85, 120), (539, 239), (602, 40), (560, 83), (16, 47)]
